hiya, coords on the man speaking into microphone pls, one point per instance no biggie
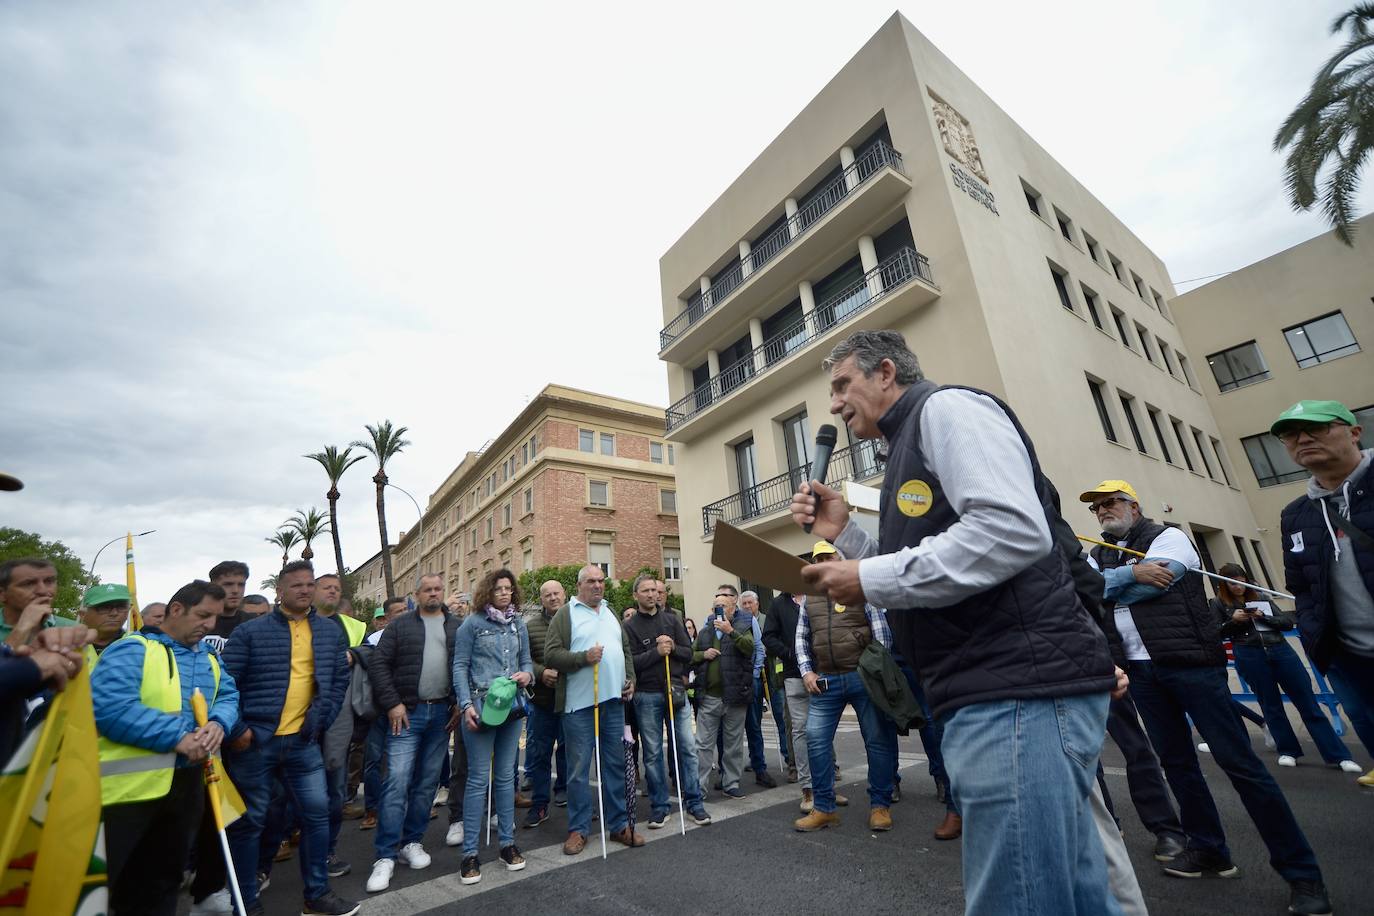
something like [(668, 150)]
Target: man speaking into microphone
[(984, 606)]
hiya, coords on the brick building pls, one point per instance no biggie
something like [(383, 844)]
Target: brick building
[(576, 478)]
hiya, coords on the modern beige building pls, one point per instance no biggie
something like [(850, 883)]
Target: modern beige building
[(576, 478), (903, 197), (1294, 326)]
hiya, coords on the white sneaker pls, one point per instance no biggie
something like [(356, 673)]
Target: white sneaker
[(1287, 761), (1202, 746), (219, 904), (414, 855), (441, 796), (455, 835), (1350, 766), (380, 879)]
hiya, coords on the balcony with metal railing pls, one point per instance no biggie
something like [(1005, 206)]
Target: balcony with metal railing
[(877, 175), (857, 462), (907, 269)]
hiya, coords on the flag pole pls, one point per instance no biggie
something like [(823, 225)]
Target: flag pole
[(596, 736), (672, 737), (212, 787), (1201, 572), (135, 615)]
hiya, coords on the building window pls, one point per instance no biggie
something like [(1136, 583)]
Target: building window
[(1159, 433), (1119, 319), (672, 563), (1177, 424), (1239, 366), (1259, 558), (1221, 460), (474, 538), (1033, 200), (1202, 452), (671, 457), (1168, 357), (1139, 285), (1159, 302), (505, 517), (1144, 337), (1270, 462), (1094, 306), (534, 447), (607, 444), (1117, 269), (656, 452), (527, 559), (601, 553), (1321, 340), (1061, 286), (667, 501), (598, 493), (1065, 225), (529, 500), (1090, 243), (491, 524), (1100, 402), (586, 440), (1187, 371), (1131, 422)]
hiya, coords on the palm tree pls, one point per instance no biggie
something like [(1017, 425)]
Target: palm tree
[(1334, 124), (386, 442), (335, 463), (286, 538), (309, 524)]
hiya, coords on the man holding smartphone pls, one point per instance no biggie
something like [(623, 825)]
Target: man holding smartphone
[(724, 660), (830, 638)]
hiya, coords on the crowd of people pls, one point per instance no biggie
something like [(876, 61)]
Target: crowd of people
[(973, 618)]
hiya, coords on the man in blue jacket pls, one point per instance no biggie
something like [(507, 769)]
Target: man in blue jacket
[(294, 668), (151, 748)]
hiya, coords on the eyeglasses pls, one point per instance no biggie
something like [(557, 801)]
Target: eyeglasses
[(110, 610), (1315, 430), (1104, 504)]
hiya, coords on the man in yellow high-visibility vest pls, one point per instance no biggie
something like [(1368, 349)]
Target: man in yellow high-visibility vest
[(151, 783)]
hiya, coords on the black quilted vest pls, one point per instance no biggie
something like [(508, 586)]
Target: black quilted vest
[(1026, 638)]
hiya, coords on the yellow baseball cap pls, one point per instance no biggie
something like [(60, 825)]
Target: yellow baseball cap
[(822, 547), (1107, 488)]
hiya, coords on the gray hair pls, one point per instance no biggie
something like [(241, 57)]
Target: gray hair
[(749, 594), (419, 583), (582, 573), (870, 348)]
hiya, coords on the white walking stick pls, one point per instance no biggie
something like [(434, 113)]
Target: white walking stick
[(672, 739), (596, 737)]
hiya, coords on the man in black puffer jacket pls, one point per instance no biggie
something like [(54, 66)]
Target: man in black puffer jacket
[(1169, 642)]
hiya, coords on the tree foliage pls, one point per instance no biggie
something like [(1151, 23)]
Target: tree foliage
[(619, 592), (72, 577)]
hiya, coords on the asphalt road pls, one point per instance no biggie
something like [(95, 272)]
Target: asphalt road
[(752, 861)]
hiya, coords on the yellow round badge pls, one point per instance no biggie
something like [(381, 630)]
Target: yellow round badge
[(913, 498)]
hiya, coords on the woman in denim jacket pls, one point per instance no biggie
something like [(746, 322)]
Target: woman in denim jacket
[(491, 643)]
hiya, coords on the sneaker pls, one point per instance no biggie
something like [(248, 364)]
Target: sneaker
[(817, 820), (454, 837), (765, 779), (1349, 766), (337, 867), (535, 817), (792, 774), (699, 817), (657, 821), (733, 792), (511, 858), (284, 851), (441, 796), (217, 904), (470, 872), (1367, 779), (879, 819), (560, 799), (1203, 748), (264, 881), (380, 879), (574, 844), (352, 811), (369, 821), (1287, 760), (808, 801), (1309, 898), (841, 801), (1200, 863), (414, 855), (1167, 847), (331, 904), (522, 800)]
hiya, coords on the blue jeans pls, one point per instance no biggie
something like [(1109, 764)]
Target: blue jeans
[(879, 734), (542, 730), (490, 749), (1352, 679), (374, 752), (300, 767), (652, 711), (1167, 698), (1022, 773), (412, 773), (1268, 668), (578, 729), (336, 785)]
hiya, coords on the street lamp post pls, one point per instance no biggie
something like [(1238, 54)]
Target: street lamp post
[(91, 568), (419, 559)]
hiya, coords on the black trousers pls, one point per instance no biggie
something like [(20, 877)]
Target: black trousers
[(1144, 777), (145, 843)]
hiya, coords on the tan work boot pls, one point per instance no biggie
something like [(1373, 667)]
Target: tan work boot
[(880, 819), (841, 801), (817, 820), (807, 802)]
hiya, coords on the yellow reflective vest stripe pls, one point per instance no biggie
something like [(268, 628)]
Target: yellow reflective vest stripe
[(132, 774)]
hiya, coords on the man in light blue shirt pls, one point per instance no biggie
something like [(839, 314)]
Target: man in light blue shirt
[(593, 686)]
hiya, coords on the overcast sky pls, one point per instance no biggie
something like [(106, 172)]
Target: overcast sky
[(234, 233)]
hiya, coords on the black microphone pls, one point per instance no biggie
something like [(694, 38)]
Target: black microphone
[(825, 444)]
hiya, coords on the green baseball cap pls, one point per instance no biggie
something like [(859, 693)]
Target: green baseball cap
[(497, 703), (105, 594), (379, 613), (1314, 412)]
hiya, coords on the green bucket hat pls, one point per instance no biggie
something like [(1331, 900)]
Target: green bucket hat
[(105, 594), (498, 701), (1314, 412)]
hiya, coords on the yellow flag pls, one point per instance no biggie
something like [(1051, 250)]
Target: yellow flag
[(53, 848), (135, 617), (225, 801)]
